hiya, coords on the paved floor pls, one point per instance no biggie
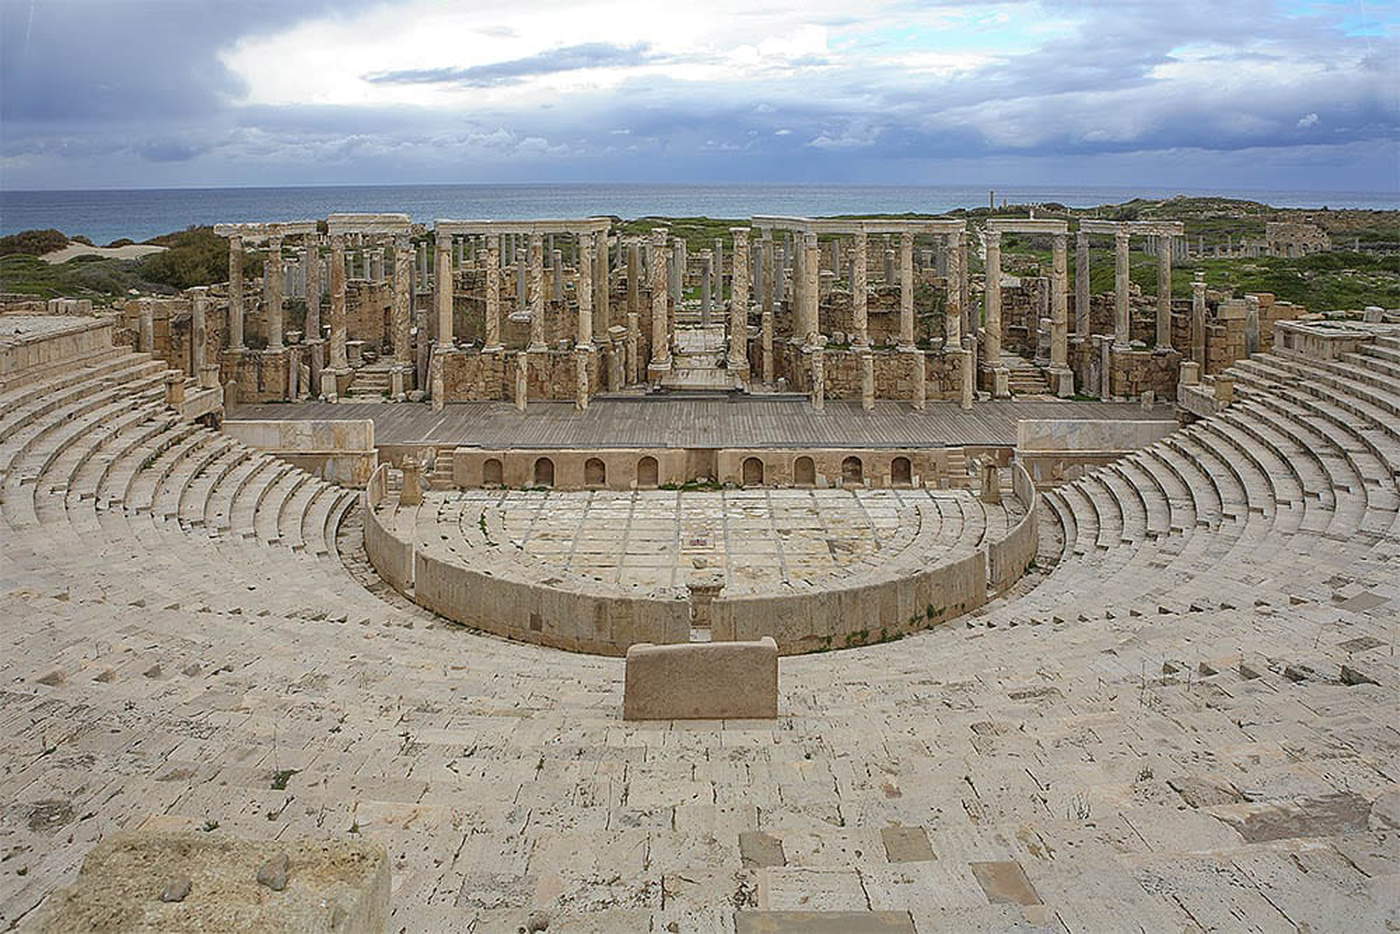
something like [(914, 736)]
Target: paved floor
[(758, 539), (655, 422)]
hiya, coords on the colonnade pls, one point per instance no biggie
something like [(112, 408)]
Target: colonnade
[(760, 258)]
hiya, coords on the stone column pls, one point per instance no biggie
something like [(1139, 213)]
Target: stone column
[(584, 291), (906, 290), (199, 331), (867, 378), (676, 277), (952, 302), (739, 305), (1060, 373), (493, 294), (889, 265), (810, 294), (602, 291), (311, 330), (401, 317), (1081, 284), (770, 291), (444, 292), (1122, 324), (717, 271), (918, 378), (707, 273), (634, 277), (147, 335), (818, 355), (522, 290), (1198, 321), (965, 285), (1165, 245), (339, 359), (991, 290), (860, 297), (556, 259), (660, 336), (1001, 376), (534, 292), (235, 292)]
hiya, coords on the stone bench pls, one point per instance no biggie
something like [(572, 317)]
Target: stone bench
[(186, 881), (702, 681)]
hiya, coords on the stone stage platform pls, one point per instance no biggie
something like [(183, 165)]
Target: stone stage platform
[(706, 423)]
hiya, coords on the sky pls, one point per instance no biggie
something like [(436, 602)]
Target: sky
[(1201, 94)]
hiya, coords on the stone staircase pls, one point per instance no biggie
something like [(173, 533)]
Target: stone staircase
[(697, 362), (1026, 378), (371, 384)]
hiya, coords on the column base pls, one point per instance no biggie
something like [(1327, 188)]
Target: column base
[(1061, 381), (998, 379), (657, 370), (331, 379)]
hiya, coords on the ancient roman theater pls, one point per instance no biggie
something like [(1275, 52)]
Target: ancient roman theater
[(830, 574)]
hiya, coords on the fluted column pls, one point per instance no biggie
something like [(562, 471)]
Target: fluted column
[(1122, 324), (311, 329), (811, 278), (707, 276), (199, 331), (235, 292), (1081, 284), (634, 276), (584, 290), (1059, 301), (660, 326), (602, 291), (443, 296), (534, 292), (770, 288), (339, 359), (992, 297), (952, 303), (493, 294), (403, 301), (906, 290), (1164, 292), (273, 290), (739, 305), (860, 298)]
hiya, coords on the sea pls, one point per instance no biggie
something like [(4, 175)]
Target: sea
[(142, 213)]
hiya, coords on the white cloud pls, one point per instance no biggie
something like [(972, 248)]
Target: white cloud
[(1309, 120)]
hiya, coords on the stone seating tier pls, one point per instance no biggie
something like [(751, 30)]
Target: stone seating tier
[(1178, 728)]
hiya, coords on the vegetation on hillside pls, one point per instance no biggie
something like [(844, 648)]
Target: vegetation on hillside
[(195, 256), (33, 242), (1339, 279)]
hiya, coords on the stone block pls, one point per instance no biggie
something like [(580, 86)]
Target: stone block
[(702, 681), (125, 882)]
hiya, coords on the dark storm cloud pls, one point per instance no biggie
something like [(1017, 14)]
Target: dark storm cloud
[(117, 59), (497, 74), (86, 85)]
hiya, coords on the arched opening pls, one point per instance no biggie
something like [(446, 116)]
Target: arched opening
[(595, 473), (648, 472), (544, 472), (852, 471), (753, 471), (901, 472), (491, 473), (804, 472)]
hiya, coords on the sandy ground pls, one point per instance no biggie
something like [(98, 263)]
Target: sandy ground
[(132, 251)]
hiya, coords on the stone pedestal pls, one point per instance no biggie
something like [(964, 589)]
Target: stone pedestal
[(991, 483), (1061, 381), (522, 381), (412, 492)]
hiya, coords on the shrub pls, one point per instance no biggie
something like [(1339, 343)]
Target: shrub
[(33, 242)]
